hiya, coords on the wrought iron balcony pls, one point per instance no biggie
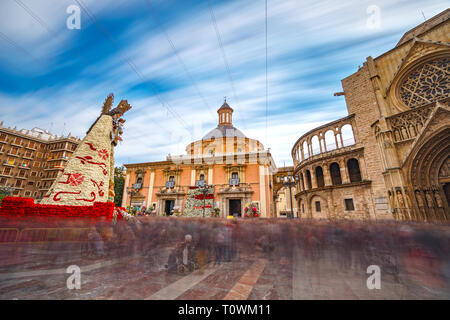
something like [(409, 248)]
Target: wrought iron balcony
[(200, 183), (137, 186), (170, 184)]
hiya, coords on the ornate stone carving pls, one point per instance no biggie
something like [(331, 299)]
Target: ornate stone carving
[(419, 199), (438, 199), (429, 199), (407, 125), (444, 171), (426, 83)]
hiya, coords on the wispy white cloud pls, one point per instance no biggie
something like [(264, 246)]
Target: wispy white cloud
[(312, 45)]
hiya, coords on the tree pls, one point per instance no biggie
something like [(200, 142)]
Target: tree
[(119, 182), (3, 193)]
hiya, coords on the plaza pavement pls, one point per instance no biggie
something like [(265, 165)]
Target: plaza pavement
[(258, 276)]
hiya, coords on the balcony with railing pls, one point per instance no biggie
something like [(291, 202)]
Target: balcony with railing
[(31, 146), (170, 184), (24, 165), (6, 174), (16, 143), (200, 183), (327, 140), (21, 176), (28, 155), (13, 153), (241, 188), (234, 182), (9, 163), (171, 188)]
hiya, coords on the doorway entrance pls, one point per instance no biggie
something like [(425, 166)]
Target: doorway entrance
[(168, 207), (447, 192), (235, 207)]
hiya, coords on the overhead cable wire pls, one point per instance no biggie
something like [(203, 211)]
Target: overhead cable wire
[(174, 49), (41, 22), (267, 82), (227, 67), (109, 37)]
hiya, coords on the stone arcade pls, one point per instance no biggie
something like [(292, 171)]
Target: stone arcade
[(390, 157)]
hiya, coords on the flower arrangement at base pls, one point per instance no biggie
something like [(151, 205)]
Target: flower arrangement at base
[(132, 210), (120, 213), (193, 206), (251, 210), (177, 212), (215, 213)]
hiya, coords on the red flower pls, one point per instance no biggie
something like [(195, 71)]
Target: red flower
[(245, 209), (75, 179), (256, 215), (245, 215), (253, 209), (103, 154)]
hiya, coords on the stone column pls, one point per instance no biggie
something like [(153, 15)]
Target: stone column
[(326, 175), (210, 175), (344, 172), (150, 188), (192, 177), (313, 178), (336, 140), (262, 190)]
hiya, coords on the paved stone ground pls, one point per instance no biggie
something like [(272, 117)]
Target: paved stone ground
[(260, 276)]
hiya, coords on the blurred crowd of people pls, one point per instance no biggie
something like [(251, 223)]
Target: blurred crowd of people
[(414, 254)]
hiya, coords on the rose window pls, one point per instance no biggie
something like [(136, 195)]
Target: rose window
[(426, 83)]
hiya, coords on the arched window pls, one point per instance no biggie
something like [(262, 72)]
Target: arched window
[(202, 177), (330, 141), (353, 170), (305, 150), (315, 145), (347, 135), (335, 172), (308, 179), (319, 177), (234, 181)]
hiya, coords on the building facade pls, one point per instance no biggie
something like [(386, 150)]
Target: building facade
[(30, 160), (237, 168), (390, 157)]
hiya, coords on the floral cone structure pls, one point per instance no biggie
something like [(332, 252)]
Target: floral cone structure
[(86, 185), (86, 177)]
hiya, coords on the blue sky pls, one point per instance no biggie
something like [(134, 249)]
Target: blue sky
[(56, 78)]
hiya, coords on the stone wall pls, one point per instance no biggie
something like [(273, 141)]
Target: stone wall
[(361, 100)]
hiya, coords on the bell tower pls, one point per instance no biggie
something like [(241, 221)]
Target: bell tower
[(225, 115)]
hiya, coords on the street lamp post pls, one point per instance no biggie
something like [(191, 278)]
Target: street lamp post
[(131, 191), (288, 181)]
